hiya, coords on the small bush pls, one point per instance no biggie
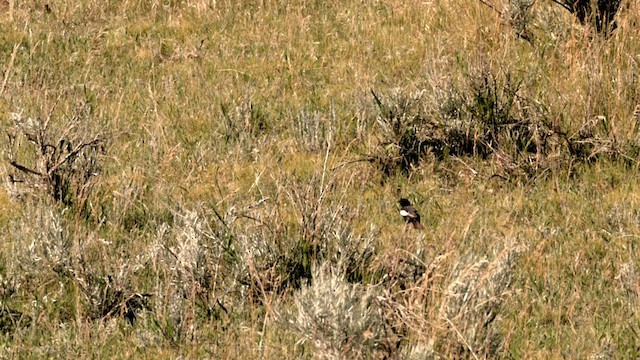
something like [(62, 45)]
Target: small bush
[(520, 17), (488, 118), (340, 319), (450, 306), (55, 253), (472, 304), (197, 267), (483, 116), (399, 121), (243, 121), (314, 130), (627, 278)]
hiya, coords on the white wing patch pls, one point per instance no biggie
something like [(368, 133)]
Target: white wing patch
[(405, 213)]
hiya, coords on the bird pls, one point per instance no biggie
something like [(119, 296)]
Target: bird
[(410, 214)]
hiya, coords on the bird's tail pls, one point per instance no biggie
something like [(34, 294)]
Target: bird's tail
[(418, 225)]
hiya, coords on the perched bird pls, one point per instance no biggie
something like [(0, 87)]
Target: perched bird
[(410, 214)]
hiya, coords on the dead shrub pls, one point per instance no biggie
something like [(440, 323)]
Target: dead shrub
[(280, 258), (600, 13), (12, 320), (60, 158)]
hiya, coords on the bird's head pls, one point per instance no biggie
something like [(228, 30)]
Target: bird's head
[(404, 202)]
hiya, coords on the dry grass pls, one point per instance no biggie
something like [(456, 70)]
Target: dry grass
[(240, 197)]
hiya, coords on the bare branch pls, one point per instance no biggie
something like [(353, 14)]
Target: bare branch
[(73, 153), (24, 168), (491, 6), (564, 5)]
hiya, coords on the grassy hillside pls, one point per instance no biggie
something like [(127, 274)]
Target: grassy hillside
[(210, 179)]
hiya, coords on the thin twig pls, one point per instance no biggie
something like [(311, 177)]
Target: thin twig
[(491, 6), (9, 68), (464, 341), (74, 153)]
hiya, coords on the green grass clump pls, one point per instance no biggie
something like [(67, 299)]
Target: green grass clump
[(205, 179)]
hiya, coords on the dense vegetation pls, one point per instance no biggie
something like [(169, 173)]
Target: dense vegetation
[(206, 179)]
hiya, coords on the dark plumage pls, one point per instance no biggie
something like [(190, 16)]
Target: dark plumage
[(410, 214)]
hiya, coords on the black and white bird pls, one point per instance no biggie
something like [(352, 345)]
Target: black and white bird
[(410, 214)]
